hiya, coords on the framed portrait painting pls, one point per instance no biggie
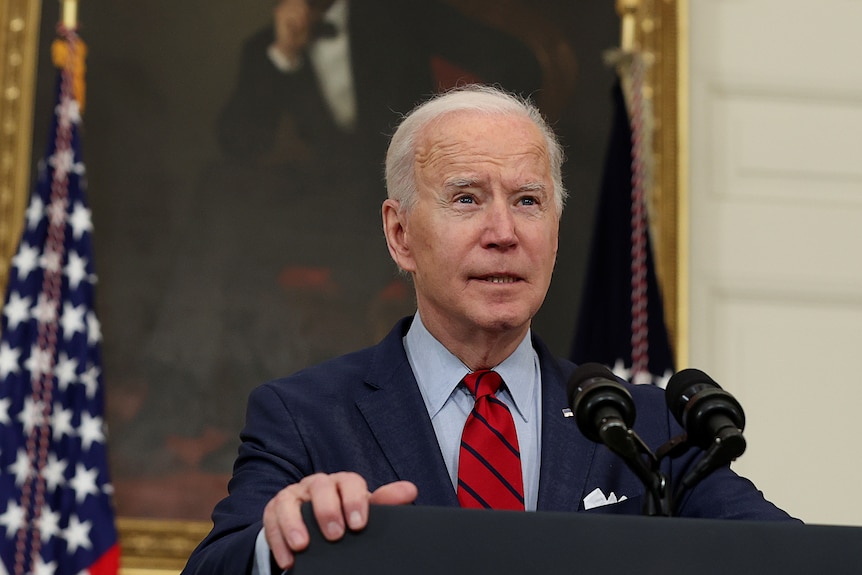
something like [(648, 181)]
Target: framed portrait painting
[(236, 200)]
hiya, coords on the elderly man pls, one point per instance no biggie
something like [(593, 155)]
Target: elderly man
[(475, 197)]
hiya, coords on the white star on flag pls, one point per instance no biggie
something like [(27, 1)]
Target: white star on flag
[(65, 371), (94, 329), (39, 362), (72, 320), (45, 310), (4, 411), (49, 524), (80, 220), (90, 379), (76, 270), (32, 415), (43, 568), (620, 369), (61, 422), (8, 360), (54, 472), (25, 261), (21, 469), (12, 519), (57, 211), (84, 482), (91, 430), (63, 163), (69, 112), (51, 261), (77, 534), (16, 310), (35, 212)]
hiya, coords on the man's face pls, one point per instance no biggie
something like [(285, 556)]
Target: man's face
[(482, 236)]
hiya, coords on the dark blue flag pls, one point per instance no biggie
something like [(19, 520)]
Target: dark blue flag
[(621, 320), (56, 511)]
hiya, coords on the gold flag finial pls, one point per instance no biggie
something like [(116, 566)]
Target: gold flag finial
[(70, 14), (627, 10), (69, 52)]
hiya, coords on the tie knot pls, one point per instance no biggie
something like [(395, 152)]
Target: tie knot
[(483, 382)]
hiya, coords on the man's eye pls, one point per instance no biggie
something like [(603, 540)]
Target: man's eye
[(528, 201), (465, 200)]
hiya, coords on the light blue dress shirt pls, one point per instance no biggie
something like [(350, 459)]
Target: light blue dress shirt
[(439, 373)]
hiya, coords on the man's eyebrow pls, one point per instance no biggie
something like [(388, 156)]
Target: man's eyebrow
[(461, 182), (533, 187)]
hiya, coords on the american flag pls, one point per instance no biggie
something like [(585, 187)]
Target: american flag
[(56, 510), (621, 320)]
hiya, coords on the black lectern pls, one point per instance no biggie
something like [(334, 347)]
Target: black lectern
[(433, 540)]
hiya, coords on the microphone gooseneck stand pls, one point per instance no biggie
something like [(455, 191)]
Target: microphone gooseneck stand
[(712, 419)]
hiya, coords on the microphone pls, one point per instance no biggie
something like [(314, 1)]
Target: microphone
[(713, 420), (605, 413), (709, 414), (603, 408)]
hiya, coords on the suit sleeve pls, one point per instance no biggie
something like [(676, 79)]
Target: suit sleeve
[(722, 494), (726, 495), (272, 456)]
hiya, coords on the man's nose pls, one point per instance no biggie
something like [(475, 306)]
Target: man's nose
[(499, 226)]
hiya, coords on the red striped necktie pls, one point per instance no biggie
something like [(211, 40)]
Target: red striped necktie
[(489, 464)]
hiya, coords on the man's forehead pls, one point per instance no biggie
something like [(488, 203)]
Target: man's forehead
[(471, 129)]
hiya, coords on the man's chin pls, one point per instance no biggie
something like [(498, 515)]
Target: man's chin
[(500, 322)]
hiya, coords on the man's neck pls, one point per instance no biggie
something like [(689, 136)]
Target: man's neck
[(476, 348)]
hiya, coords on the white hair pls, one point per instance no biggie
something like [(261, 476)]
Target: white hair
[(400, 176)]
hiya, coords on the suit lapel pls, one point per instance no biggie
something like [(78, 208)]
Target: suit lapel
[(566, 453), (395, 413), (398, 418)]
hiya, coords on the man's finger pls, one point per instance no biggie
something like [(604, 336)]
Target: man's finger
[(396, 493), (283, 525), (325, 494)]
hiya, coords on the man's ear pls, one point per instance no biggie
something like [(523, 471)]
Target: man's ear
[(395, 230)]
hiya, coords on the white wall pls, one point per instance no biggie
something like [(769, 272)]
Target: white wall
[(776, 238)]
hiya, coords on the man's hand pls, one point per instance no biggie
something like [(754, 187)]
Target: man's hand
[(340, 501)]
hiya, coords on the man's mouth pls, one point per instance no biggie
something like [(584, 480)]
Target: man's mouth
[(500, 279)]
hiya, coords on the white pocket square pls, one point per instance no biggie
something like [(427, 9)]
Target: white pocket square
[(597, 499)]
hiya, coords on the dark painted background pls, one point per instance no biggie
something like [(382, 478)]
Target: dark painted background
[(179, 358)]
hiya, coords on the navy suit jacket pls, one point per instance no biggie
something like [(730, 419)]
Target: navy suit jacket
[(363, 412)]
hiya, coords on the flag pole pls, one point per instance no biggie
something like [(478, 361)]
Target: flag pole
[(622, 57), (70, 14), (627, 10)]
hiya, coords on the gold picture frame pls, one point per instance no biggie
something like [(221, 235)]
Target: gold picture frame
[(161, 547)]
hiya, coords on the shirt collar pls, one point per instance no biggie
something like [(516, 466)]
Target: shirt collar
[(438, 371)]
